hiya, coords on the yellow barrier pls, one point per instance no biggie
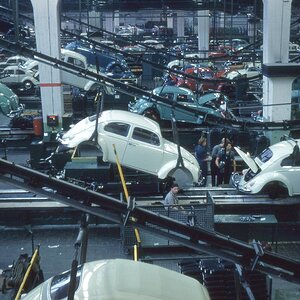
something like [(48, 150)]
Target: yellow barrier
[(136, 231), (32, 261)]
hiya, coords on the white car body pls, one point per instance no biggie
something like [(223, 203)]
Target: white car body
[(16, 76), (117, 279), (70, 78), (274, 171), (13, 61), (139, 145), (248, 71)]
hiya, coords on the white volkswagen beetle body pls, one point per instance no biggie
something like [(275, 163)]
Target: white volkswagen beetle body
[(117, 279), (138, 142), (274, 171)]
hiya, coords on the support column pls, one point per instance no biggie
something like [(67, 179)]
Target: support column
[(95, 19), (116, 21), (276, 34), (203, 31), (180, 24), (109, 25), (47, 32), (170, 21)]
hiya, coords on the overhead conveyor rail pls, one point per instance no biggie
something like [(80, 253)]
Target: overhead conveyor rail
[(138, 92), (116, 211)]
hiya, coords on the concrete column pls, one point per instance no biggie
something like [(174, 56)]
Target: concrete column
[(180, 24), (170, 21), (276, 34), (116, 21), (109, 25), (279, 89), (47, 30), (203, 31), (95, 19)]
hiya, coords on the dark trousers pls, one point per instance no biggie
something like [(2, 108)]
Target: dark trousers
[(224, 176), (214, 171), (204, 171)]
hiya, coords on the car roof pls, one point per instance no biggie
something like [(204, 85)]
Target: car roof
[(173, 89), (17, 57), (129, 117), (11, 68), (283, 148), (127, 279)]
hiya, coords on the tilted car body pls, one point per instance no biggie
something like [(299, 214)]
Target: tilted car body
[(139, 145), (211, 103), (275, 171), (116, 279)]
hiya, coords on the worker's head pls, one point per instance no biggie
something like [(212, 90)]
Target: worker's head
[(202, 141), (228, 147), (175, 188), (225, 141)]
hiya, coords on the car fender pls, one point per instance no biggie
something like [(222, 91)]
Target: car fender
[(103, 145), (167, 168), (266, 179), (277, 176), (144, 107), (92, 85)]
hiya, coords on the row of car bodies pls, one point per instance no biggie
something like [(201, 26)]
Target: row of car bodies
[(22, 73)]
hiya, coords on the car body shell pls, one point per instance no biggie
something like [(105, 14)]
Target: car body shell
[(138, 141), (13, 61), (16, 77), (9, 101), (117, 279), (250, 72), (197, 85), (276, 167), (206, 104)]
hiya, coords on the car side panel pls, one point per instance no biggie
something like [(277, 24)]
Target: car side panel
[(290, 177), (107, 140), (143, 156)]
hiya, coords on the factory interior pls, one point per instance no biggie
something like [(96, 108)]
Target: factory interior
[(150, 149)]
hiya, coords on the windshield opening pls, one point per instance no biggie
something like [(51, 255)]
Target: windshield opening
[(265, 155)]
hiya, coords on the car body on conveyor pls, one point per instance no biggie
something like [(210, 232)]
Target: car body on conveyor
[(274, 171), (139, 145), (117, 279), (214, 103)]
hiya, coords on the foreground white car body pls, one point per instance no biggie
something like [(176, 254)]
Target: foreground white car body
[(276, 170), (139, 145), (117, 279)]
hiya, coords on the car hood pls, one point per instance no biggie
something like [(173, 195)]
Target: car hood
[(79, 133), (247, 159)]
